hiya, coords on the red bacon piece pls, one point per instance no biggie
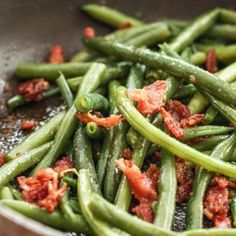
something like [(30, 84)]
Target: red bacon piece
[(56, 55), (211, 61), (144, 211), (126, 25), (43, 189), (89, 32), (150, 98), (2, 159), (106, 122), (28, 124), (63, 164), (32, 90)]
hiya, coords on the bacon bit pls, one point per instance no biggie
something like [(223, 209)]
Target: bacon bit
[(127, 153), (177, 116), (43, 189), (2, 159), (150, 98), (126, 25), (144, 211), (211, 61), (216, 202), (56, 55), (63, 164), (106, 122), (184, 175), (89, 32), (32, 90), (143, 186), (28, 124)]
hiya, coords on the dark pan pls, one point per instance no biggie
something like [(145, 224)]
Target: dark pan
[(28, 29)]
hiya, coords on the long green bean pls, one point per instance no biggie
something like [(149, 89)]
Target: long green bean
[(5, 193), (227, 16)]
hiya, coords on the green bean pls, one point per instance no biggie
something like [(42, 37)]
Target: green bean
[(158, 137), (83, 156), (165, 209), (198, 27), (54, 219), (91, 102), (5, 193), (70, 181), (228, 112), (211, 232), (22, 163), (75, 204), (91, 81), (222, 152), (198, 103), (84, 55), (225, 54), (168, 51), (207, 130), (186, 91), (19, 100), (85, 190), (227, 16), (65, 90), (209, 143), (119, 218), (94, 131), (233, 207), (226, 31), (173, 66), (109, 16), (210, 115), (198, 58), (149, 38), (186, 54), (108, 140), (15, 192), (39, 137), (51, 71)]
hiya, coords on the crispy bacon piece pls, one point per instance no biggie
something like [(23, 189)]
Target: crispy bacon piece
[(127, 153), (216, 202), (56, 55), (89, 32), (2, 159), (106, 122), (43, 189), (184, 175), (143, 186), (177, 116), (150, 98), (211, 61), (28, 124), (126, 25), (32, 90), (63, 164)]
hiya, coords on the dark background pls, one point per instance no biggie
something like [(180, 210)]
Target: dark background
[(28, 29)]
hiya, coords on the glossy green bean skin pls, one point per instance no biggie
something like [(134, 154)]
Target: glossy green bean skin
[(205, 130), (22, 163), (210, 232), (158, 137), (198, 58), (233, 207), (70, 181), (210, 115), (66, 129), (209, 143), (187, 90), (222, 151), (75, 82), (227, 16), (165, 209), (51, 71), (119, 218), (19, 100), (223, 31), (84, 191), (228, 112), (173, 66), (198, 103), (91, 102), (198, 27), (136, 75), (94, 131), (109, 16), (5, 193), (109, 135), (82, 153), (56, 219), (39, 137), (65, 90)]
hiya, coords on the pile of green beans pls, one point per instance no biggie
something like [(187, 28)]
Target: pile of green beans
[(94, 85)]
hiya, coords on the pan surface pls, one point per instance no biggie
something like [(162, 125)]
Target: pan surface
[(28, 29)]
